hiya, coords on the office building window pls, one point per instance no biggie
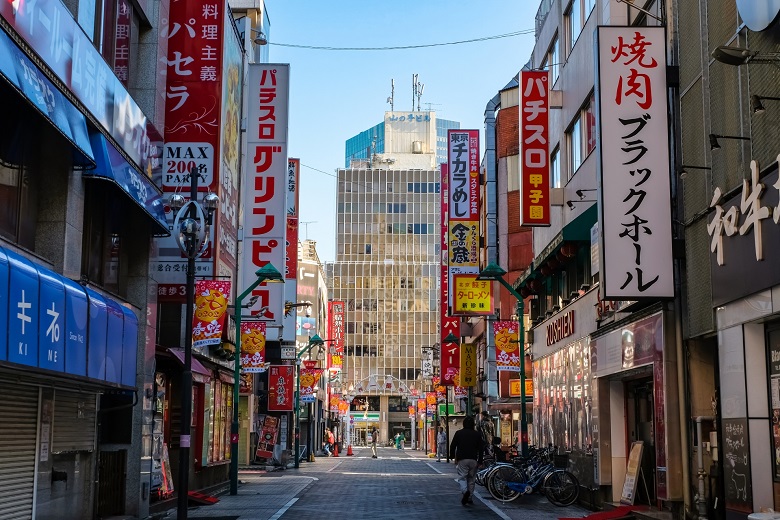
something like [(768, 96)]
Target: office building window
[(552, 61), (576, 16), (574, 138), (555, 168), (581, 137)]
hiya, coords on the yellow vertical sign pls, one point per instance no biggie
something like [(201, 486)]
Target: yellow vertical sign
[(468, 364)]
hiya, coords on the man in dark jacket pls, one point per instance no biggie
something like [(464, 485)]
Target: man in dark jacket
[(466, 447)]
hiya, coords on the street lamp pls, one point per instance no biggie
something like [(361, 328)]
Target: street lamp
[(493, 272), (269, 274), (314, 340), (191, 228)]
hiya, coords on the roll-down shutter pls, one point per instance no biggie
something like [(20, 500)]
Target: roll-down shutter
[(73, 428), (18, 434)]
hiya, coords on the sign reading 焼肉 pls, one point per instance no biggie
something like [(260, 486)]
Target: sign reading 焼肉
[(634, 199)]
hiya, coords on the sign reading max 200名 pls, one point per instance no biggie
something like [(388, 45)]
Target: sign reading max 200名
[(635, 218)]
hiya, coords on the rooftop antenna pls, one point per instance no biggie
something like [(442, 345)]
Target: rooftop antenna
[(420, 88), (306, 223), (414, 89), (392, 94)]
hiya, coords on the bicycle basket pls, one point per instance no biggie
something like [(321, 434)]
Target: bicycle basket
[(561, 461)]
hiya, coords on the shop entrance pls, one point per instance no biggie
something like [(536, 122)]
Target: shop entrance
[(640, 427)]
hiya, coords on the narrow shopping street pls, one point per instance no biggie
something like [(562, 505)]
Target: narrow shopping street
[(399, 484)]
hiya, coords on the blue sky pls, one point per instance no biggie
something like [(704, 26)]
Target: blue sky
[(336, 94)]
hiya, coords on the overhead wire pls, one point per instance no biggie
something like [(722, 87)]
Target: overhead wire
[(403, 47)]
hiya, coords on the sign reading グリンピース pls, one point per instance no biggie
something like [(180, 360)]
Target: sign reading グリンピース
[(635, 218)]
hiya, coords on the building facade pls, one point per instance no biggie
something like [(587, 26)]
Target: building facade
[(366, 144)]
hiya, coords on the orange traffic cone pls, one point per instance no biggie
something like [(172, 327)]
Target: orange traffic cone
[(349, 450), (335, 450)]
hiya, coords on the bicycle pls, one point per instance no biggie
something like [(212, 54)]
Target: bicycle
[(506, 482)]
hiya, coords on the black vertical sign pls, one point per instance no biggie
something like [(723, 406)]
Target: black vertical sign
[(736, 465), (773, 337)]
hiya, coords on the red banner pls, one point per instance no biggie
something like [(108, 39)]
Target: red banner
[(343, 407), (253, 346), (507, 347), (267, 440), (334, 401), (421, 407), (440, 389), (336, 334), (210, 308), (450, 354), (122, 33), (291, 260), (430, 402), (534, 149), (412, 412), (280, 388), (310, 377)]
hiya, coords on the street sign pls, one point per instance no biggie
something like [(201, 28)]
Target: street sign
[(288, 352)]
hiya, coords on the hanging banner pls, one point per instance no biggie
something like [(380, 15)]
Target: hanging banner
[(634, 198), (461, 392), (468, 364), (336, 335), (291, 252), (210, 309), (430, 403), (450, 359), (534, 149), (421, 407), (310, 377), (440, 389), (507, 346), (334, 402), (280, 388), (253, 347), (471, 297), (463, 201), (265, 188), (412, 412)]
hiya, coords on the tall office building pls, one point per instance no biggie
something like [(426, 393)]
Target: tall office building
[(386, 271), (360, 147)]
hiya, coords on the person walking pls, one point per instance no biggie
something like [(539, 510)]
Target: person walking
[(466, 447), (326, 442), (331, 442), (441, 443), (374, 440)]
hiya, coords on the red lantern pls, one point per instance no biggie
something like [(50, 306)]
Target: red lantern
[(545, 270), (535, 285), (569, 250)]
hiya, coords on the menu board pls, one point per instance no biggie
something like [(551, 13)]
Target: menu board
[(736, 465), (774, 385), (632, 473)]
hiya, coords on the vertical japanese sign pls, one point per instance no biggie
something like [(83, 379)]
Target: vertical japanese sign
[(280, 388), (507, 347), (253, 346), (124, 17), (448, 358), (265, 199), (336, 335), (468, 364), (534, 149), (635, 220), (421, 407), (291, 249), (463, 202), (211, 301)]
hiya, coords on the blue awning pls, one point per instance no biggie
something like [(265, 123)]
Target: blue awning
[(26, 78), (111, 165)]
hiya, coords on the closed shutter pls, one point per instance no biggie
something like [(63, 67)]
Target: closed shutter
[(73, 427), (18, 434)]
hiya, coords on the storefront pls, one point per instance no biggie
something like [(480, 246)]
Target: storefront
[(746, 300)]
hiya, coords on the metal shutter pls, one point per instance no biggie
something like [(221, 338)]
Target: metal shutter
[(73, 426), (18, 434)]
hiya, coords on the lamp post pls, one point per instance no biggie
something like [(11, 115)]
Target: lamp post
[(314, 340), (267, 273), (191, 227), (349, 396), (494, 272)]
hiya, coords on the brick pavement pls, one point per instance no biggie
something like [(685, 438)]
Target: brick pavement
[(399, 484)]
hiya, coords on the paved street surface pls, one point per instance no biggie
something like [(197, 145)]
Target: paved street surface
[(398, 485)]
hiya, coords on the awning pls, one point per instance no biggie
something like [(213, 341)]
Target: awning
[(33, 85), (578, 230), (112, 166), (197, 366)]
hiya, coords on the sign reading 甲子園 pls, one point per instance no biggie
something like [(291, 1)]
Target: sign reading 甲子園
[(265, 193), (634, 199), (534, 149)]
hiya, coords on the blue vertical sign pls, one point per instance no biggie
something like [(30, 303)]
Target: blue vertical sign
[(4, 279), (116, 320), (76, 312), (51, 329), (129, 347), (23, 311), (98, 324)]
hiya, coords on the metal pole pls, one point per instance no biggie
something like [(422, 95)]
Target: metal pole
[(523, 418), (186, 379), (447, 418), (308, 431), (296, 455)]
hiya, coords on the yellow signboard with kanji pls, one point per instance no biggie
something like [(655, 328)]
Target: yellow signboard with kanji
[(468, 364), (471, 296), (514, 388)]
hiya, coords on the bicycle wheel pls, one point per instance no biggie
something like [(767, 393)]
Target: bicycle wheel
[(561, 488), (498, 483)]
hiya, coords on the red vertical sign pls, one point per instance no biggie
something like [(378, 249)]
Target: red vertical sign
[(534, 149), (448, 357), (291, 260), (336, 335), (124, 17), (280, 388)]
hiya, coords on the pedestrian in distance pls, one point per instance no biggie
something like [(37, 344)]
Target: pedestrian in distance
[(374, 440), (466, 447), (331, 442), (326, 442), (441, 443)]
